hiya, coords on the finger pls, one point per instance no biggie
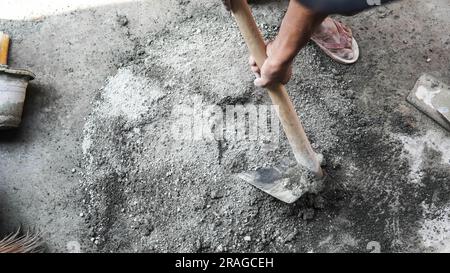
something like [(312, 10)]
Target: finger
[(255, 69), (261, 82), (269, 47), (251, 61)]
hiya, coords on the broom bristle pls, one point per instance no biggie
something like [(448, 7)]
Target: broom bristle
[(28, 242)]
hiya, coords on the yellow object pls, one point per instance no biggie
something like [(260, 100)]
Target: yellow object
[(4, 47)]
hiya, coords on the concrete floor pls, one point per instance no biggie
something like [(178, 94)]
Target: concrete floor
[(72, 54), (74, 51)]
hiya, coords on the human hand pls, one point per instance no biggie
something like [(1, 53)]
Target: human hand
[(273, 71)]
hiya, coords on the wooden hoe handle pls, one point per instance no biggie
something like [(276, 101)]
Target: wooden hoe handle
[(4, 47), (291, 123)]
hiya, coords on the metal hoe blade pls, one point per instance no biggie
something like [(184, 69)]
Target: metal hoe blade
[(286, 182)]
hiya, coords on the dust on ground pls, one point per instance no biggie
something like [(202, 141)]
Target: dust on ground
[(143, 191)]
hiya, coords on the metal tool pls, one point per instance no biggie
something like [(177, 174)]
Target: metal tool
[(13, 85), (287, 182)]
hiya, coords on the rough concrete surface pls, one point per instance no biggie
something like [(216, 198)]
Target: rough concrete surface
[(95, 169)]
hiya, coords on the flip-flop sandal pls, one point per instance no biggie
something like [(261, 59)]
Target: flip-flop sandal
[(345, 35)]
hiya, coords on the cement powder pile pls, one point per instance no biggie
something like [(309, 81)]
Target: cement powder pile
[(146, 191), (435, 229)]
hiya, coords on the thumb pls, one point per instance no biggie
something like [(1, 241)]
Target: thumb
[(261, 82)]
